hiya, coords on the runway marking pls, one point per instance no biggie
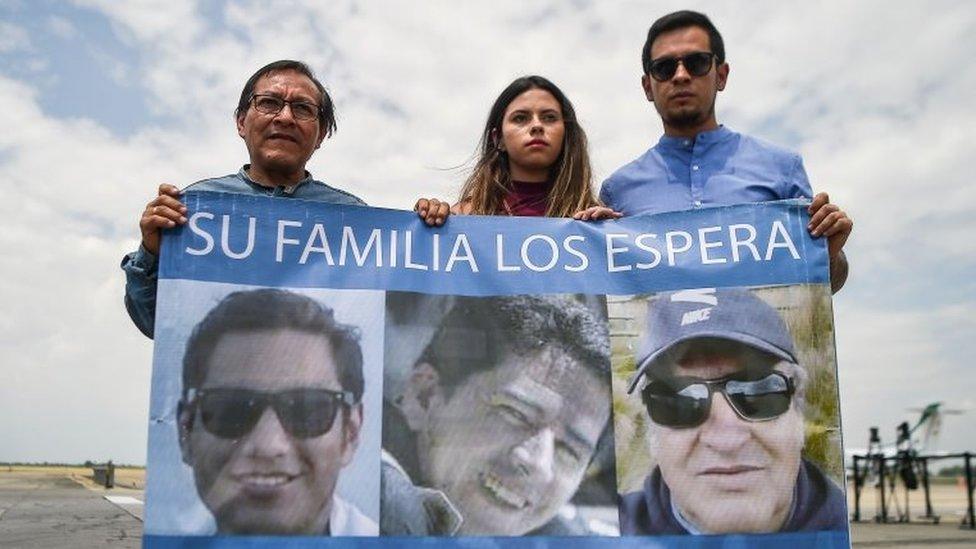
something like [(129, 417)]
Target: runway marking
[(123, 500)]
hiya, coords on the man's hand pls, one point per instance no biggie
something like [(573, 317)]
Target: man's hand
[(163, 212), (829, 220), (596, 213), (434, 212)]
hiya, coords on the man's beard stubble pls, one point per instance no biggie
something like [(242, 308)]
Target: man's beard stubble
[(689, 118)]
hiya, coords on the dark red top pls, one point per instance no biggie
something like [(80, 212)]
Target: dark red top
[(528, 199)]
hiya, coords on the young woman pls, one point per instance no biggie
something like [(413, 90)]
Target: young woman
[(533, 160)]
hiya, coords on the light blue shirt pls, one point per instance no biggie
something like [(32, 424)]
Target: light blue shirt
[(141, 267), (715, 168)]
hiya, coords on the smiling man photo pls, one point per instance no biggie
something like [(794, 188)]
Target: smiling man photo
[(724, 394), (499, 420), (270, 414)]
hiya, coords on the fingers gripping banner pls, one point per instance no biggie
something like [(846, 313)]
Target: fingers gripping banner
[(346, 376)]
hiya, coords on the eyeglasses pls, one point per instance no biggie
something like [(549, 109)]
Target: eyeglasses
[(270, 104), (697, 64), (233, 413), (683, 402)]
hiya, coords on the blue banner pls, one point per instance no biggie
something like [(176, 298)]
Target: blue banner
[(346, 376), (819, 540), (260, 240)]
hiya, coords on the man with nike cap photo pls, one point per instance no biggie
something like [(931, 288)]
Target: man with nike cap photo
[(718, 374)]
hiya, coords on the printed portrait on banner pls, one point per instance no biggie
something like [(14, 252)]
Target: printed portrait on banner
[(270, 424), (727, 411), (497, 416)]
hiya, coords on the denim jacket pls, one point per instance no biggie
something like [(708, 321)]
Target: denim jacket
[(141, 266)]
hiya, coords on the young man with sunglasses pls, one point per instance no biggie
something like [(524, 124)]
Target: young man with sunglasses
[(271, 412), (283, 115), (719, 377), (499, 419), (699, 163)]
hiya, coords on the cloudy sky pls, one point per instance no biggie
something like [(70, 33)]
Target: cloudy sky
[(100, 101)]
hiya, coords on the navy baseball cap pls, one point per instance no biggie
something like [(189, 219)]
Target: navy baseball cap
[(721, 313)]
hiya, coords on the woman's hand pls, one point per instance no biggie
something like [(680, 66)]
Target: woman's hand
[(596, 213), (434, 212)]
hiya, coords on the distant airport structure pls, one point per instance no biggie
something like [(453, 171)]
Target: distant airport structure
[(897, 468)]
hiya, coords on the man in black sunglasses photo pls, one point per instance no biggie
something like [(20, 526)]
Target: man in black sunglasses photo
[(700, 163), (270, 414), (498, 421), (718, 376)]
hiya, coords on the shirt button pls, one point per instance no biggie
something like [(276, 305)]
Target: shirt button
[(695, 167), (687, 142)]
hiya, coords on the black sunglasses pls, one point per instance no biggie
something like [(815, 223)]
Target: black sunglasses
[(233, 413), (699, 63), (683, 402)]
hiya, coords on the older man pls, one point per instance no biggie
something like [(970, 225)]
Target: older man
[(271, 413), (719, 377), (283, 115), (699, 163), (498, 421)]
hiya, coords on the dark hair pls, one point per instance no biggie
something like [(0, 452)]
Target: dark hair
[(327, 117), (479, 332), (490, 180), (680, 20), (271, 309)]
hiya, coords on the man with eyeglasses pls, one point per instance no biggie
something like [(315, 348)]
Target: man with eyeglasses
[(271, 412), (699, 163), (499, 420), (718, 375), (283, 115)]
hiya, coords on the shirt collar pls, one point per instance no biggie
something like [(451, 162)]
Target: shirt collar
[(685, 523), (242, 173), (704, 138), (695, 531)]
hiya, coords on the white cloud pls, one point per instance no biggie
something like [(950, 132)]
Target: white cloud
[(877, 99), (153, 22), (891, 361), (61, 27), (13, 38)]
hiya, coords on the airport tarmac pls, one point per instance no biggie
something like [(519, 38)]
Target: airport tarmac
[(44, 509), (53, 509), (949, 508)]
